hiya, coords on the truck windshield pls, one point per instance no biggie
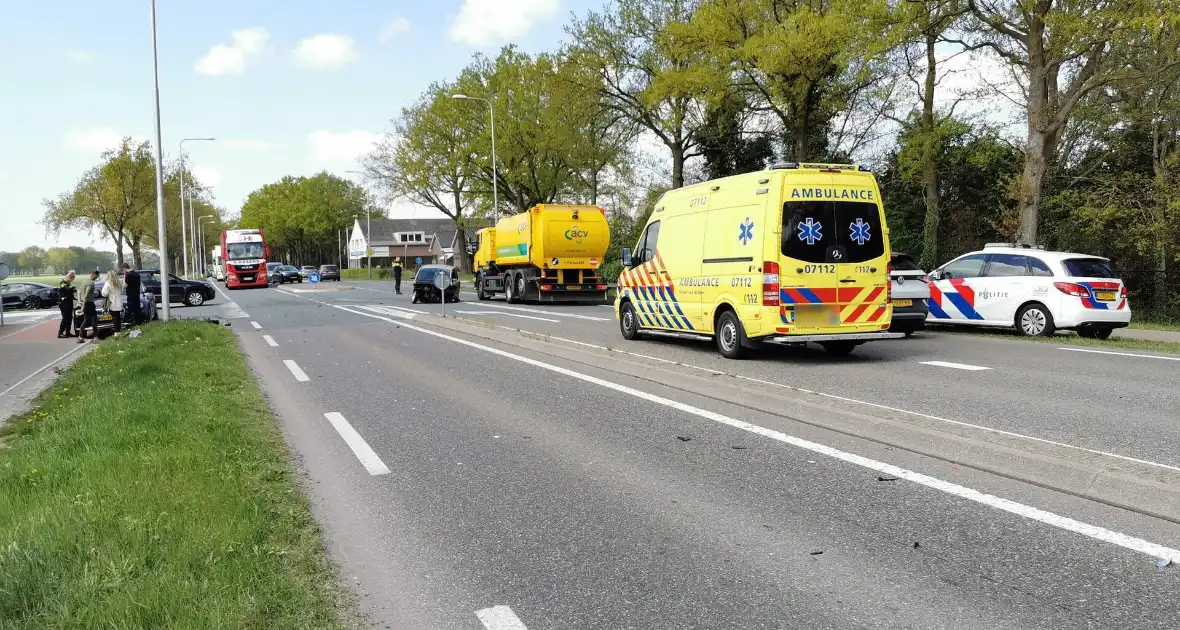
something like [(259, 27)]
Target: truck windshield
[(244, 251), (813, 230)]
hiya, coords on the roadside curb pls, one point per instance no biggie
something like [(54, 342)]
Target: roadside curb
[(1127, 484)]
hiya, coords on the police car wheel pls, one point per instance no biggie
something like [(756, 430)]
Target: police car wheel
[(1034, 320), (729, 336), (628, 322)]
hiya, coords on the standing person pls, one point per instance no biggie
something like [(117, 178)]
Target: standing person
[(85, 292), (112, 291), (397, 275), (65, 301), (134, 286)]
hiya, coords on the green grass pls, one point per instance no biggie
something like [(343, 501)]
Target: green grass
[(150, 488), (1067, 338), (50, 280), (1155, 325)]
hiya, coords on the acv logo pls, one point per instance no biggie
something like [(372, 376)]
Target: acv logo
[(576, 234)]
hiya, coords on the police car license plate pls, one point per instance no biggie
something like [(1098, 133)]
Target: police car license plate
[(1105, 296), (903, 302)]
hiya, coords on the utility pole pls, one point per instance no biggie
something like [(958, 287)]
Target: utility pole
[(161, 217)]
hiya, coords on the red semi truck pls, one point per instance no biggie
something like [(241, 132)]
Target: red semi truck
[(245, 253)]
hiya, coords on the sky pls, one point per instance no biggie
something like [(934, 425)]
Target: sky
[(286, 88)]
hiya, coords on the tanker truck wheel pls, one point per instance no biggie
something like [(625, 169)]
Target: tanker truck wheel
[(521, 290), (510, 284)]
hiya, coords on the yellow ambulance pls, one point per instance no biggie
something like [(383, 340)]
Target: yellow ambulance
[(797, 253)]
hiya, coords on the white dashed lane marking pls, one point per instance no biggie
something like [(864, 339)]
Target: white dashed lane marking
[(1122, 354), (359, 446), (270, 341), (500, 618), (299, 374), (256, 325)]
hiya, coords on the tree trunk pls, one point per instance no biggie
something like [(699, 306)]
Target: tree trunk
[(930, 144), (677, 164), (1036, 163)]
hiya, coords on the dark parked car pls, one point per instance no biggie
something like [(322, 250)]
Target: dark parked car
[(106, 323), (426, 291), (28, 295), (911, 295), (187, 292), (283, 274), (329, 272)]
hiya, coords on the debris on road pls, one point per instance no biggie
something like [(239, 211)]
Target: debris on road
[(882, 478), (1163, 563), (683, 438)]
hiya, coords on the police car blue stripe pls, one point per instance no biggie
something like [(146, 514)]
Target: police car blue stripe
[(1094, 301), (937, 311), (960, 303)]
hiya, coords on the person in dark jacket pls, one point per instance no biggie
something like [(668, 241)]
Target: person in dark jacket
[(134, 286), (65, 292), (85, 291), (397, 275)]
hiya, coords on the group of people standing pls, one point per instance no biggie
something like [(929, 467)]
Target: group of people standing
[(76, 301)]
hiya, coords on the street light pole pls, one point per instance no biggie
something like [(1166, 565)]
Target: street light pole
[(495, 178), (201, 271), (183, 224), (161, 216)]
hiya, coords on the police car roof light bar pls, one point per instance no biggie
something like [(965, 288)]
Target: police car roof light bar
[(1014, 246)]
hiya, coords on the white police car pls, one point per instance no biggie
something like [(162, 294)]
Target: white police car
[(1037, 291)]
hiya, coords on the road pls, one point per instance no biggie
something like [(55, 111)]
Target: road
[(471, 476)]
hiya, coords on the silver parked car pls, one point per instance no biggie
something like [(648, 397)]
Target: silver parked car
[(911, 291)]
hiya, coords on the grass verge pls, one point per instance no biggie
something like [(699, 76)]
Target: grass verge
[(150, 488), (50, 280), (1068, 338)]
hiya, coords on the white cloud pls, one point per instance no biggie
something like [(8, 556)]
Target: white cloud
[(393, 29), (347, 146), (95, 139), (233, 58), (326, 51), (80, 57), (486, 22), (206, 175), (247, 145)]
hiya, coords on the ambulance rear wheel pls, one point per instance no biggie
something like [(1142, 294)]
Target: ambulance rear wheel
[(729, 336), (629, 322)]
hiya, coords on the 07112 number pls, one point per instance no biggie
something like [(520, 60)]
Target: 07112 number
[(819, 268)]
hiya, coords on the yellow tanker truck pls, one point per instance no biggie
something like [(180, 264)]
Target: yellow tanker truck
[(550, 253)]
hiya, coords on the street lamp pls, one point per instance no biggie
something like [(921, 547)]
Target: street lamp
[(161, 216), (368, 232), (186, 235), (492, 116), (201, 221), (192, 215)]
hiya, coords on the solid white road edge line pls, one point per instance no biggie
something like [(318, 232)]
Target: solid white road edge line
[(499, 618), (270, 341), (537, 310), (256, 325), (955, 366), (868, 404), (1019, 509), (1122, 354), (359, 446), (41, 369), (299, 374), (502, 314)]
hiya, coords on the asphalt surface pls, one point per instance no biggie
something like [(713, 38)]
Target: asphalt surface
[(482, 480)]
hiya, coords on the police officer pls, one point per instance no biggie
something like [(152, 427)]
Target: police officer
[(397, 275), (65, 301)]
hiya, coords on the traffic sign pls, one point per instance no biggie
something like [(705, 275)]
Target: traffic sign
[(313, 278), (418, 260), (442, 280), (593, 262)]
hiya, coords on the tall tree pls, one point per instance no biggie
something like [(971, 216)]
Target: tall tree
[(1061, 51), (110, 196), (729, 142), (924, 24), (804, 61), (31, 259), (644, 74), (427, 159), (61, 259), (301, 215)]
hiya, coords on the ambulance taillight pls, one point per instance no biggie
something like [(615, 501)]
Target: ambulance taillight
[(770, 284)]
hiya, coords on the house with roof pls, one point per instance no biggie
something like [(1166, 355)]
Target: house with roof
[(432, 240)]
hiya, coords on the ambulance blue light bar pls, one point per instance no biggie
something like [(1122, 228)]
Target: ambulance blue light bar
[(818, 166)]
